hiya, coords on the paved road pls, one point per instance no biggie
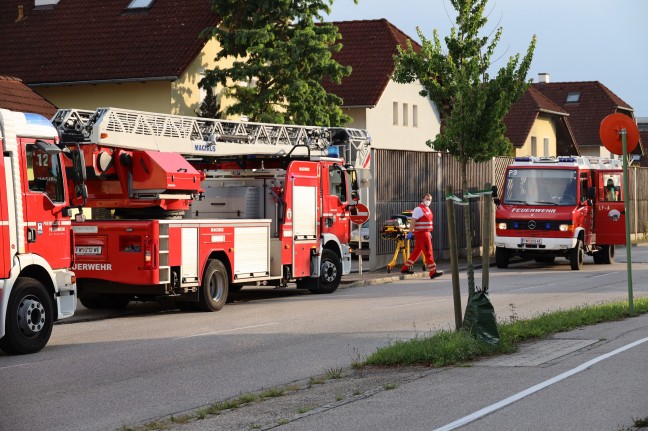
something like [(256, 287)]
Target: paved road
[(102, 374)]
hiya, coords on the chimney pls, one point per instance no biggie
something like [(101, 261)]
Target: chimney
[(543, 78), (21, 13)]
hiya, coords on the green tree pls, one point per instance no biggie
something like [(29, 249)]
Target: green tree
[(282, 52), (472, 103), (210, 106)]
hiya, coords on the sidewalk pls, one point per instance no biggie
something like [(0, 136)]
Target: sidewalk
[(591, 378)]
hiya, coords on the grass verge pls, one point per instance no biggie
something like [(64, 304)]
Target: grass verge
[(446, 348)]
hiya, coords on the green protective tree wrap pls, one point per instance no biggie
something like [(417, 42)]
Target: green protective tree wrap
[(480, 319)]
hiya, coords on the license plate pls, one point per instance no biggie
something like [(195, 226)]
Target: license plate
[(532, 241), (88, 250)]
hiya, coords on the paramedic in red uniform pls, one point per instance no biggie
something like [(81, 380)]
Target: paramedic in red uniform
[(422, 225)]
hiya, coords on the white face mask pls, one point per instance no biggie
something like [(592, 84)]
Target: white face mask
[(427, 202)]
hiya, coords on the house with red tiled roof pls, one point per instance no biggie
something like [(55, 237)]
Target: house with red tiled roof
[(587, 103), (396, 115), (538, 127), (137, 54), (16, 96)]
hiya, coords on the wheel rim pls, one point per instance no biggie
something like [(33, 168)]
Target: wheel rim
[(216, 287), (31, 316), (329, 271)]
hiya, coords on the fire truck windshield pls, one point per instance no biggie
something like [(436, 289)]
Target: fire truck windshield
[(540, 187)]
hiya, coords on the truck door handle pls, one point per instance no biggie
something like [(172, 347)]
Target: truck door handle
[(31, 234)]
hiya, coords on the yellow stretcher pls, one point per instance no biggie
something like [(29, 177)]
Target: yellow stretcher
[(395, 230)]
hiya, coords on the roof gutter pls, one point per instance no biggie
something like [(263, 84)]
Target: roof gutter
[(548, 111), (104, 81), (358, 107)]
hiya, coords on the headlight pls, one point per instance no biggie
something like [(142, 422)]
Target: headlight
[(563, 227), (501, 226)]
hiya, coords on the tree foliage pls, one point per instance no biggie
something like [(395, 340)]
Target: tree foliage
[(471, 102), (282, 52)]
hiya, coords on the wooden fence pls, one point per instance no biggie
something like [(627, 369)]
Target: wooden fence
[(401, 178)]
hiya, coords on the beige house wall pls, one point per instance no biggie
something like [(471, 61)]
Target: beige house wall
[(144, 96), (180, 97), (543, 128), (415, 121)]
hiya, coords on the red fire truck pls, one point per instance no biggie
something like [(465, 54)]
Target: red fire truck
[(200, 207), (37, 286), (560, 207)]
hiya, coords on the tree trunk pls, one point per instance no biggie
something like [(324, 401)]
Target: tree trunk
[(469, 261)]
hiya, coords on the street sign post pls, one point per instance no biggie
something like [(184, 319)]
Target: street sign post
[(620, 135)]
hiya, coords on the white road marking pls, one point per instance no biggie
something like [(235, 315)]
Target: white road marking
[(493, 407), (226, 330)]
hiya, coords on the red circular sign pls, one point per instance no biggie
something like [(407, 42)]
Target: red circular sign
[(610, 133), (359, 214)]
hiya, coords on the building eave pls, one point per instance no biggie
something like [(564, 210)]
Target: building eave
[(104, 81)]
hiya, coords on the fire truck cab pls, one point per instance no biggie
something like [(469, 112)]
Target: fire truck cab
[(37, 286), (560, 207)]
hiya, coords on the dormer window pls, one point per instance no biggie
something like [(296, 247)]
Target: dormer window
[(140, 4), (573, 97)]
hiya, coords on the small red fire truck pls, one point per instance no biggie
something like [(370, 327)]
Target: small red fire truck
[(560, 207), (199, 207), (37, 286)]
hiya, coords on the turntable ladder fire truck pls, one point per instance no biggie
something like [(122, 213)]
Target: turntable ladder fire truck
[(200, 207), (560, 207), (37, 286)]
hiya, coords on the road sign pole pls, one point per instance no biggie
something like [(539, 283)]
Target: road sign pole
[(623, 133)]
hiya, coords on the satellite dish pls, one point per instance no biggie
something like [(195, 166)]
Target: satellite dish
[(610, 133)]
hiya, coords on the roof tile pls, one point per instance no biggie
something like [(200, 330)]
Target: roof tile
[(16, 96), (78, 41), (369, 47)]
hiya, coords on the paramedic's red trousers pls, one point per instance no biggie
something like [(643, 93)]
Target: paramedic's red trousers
[(422, 244)]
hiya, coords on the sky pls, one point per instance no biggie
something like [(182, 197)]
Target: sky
[(577, 40)]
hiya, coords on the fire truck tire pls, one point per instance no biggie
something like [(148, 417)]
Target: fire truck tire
[(576, 256), (30, 317), (215, 286), (330, 272), (598, 257), (608, 254), (501, 257)]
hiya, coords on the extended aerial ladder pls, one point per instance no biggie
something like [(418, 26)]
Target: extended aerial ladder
[(204, 137)]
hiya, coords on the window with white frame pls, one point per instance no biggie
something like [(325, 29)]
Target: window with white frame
[(395, 113), (534, 146), (546, 146)]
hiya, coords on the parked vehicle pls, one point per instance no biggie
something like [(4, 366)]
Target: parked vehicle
[(37, 286), (359, 233), (199, 207), (560, 207)]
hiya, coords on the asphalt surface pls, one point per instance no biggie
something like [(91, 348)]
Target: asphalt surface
[(592, 378)]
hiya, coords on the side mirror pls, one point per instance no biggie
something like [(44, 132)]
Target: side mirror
[(496, 199)]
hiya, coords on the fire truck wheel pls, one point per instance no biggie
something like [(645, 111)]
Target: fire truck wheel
[(608, 254), (576, 256), (501, 257), (30, 317), (330, 272), (213, 292)]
